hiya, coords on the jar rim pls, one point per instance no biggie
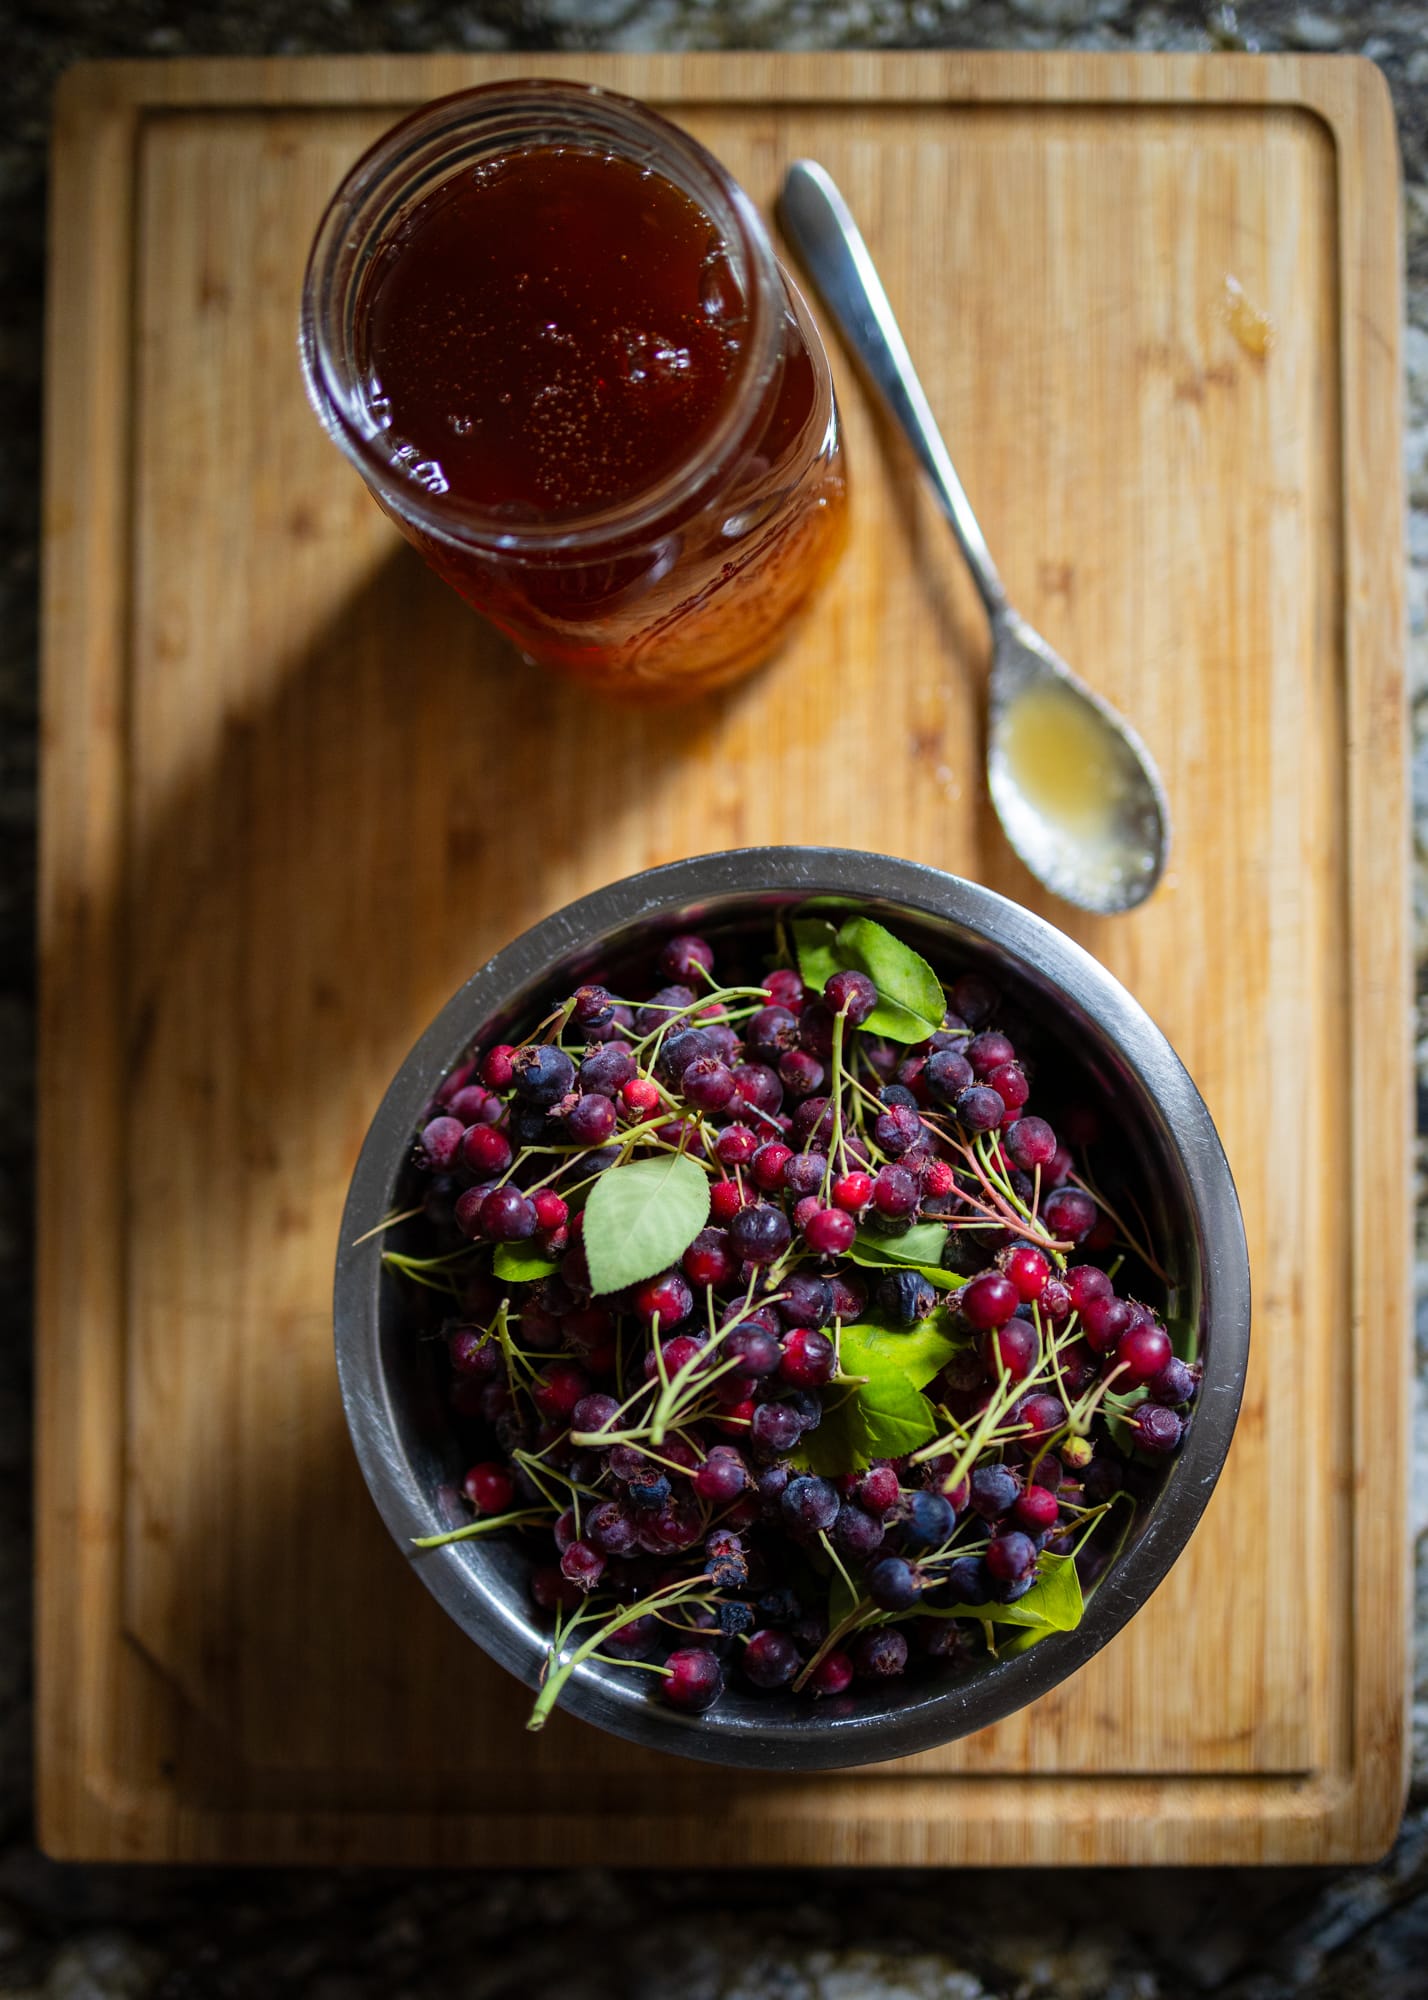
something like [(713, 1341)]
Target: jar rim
[(417, 155)]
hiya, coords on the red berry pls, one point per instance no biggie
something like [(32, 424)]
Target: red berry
[(1142, 1353), (989, 1300), (694, 1681), (1011, 1557), (853, 1192), (784, 988), (877, 1491), (851, 994), (1086, 1282), (735, 1146), (666, 1298), (590, 1120), (737, 1418), (709, 1260), (988, 1051), (832, 1674), (475, 1353), (726, 1198), (1039, 1416), (804, 1211), (768, 1165), (1009, 1082), (807, 1358), (937, 1178), (829, 1231), (1027, 1269), (551, 1211), (1055, 1300), (1013, 1347), (558, 1388), (489, 1487), (1036, 1509), (485, 1152), (1069, 1214), (1029, 1144), (549, 1588), (497, 1072), (1105, 1322), (639, 1095)]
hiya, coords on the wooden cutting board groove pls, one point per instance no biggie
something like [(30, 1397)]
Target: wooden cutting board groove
[(286, 812)]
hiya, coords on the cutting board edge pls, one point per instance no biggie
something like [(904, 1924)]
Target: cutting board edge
[(96, 114)]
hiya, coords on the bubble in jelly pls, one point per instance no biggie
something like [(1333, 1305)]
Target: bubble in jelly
[(651, 358), (719, 295)]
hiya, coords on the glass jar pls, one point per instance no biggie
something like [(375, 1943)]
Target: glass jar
[(665, 591)]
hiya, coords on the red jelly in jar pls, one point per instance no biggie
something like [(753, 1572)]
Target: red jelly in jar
[(550, 330)]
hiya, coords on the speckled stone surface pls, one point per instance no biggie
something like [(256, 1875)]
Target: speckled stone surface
[(105, 1934)]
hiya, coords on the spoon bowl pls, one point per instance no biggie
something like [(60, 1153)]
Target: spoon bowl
[(1076, 791)]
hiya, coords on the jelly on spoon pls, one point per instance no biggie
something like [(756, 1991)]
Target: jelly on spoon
[(1078, 796)]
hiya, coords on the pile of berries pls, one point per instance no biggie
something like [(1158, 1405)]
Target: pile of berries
[(702, 1463)]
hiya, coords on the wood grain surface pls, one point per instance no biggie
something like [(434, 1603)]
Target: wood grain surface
[(294, 792)]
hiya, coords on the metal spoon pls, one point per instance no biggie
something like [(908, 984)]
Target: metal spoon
[(1074, 787)]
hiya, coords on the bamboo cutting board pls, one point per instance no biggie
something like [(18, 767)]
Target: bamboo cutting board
[(286, 812)]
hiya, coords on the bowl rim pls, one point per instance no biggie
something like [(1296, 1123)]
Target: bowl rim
[(605, 1696)]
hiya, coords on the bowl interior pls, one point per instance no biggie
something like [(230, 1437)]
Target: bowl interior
[(1085, 1033)]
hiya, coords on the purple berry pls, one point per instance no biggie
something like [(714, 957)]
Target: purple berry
[(853, 995), (770, 1659), (760, 1233), (508, 1216)]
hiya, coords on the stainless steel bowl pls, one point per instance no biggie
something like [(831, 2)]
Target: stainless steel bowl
[(390, 1389)]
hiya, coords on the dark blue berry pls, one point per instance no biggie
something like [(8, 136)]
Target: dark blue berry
[(780, 1606), (967, 1581), (686, 1046), (928, 1520), (994, 1491), (879, 1655), (904, 1297), (894, 1585), (809, 1506), (543, 1075)]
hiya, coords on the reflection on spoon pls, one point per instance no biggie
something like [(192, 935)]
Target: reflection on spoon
[(1068, 790)]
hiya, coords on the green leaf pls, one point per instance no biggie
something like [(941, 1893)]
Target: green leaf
[(813, 940), (911, 1002), (1053, 1604), (917, 1249), (641, 1218), (917, 1352), (1117, 1409), (883, 1418), (522, 1263)]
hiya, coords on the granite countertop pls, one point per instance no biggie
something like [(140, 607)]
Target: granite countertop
[(107, 1934)]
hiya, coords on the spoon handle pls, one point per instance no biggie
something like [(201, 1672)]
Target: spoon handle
[(820, 224)]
